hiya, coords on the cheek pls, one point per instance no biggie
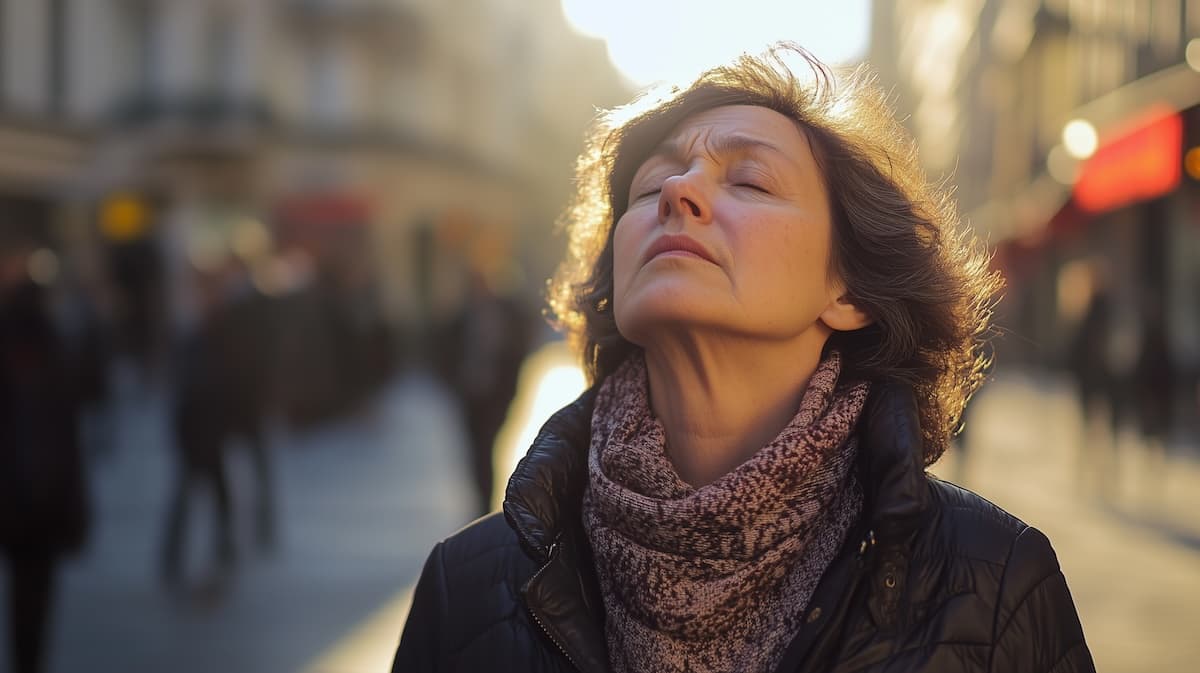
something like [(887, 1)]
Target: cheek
[(625, 244), (786, 263)]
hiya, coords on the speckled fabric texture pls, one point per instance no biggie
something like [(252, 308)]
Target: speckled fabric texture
[(715, 578)]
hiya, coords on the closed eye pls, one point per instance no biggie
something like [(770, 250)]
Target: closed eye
[(755, 187), (749, 175)]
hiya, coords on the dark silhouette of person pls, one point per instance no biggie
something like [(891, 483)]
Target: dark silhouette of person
[(1089, 353), (1097, 387), (1153, 375), (480, 354), (44, 511), (87, 338), (340, 350), (245, 327), (223, 382), (136, 269)]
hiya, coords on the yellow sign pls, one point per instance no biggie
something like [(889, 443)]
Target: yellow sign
[(124, 217)]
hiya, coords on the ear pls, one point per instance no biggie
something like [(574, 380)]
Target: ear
[(842, 315)]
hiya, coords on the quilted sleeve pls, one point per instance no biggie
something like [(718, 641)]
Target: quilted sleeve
[(1037, 629), (420, 642)]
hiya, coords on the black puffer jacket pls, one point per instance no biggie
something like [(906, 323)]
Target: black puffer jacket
[(933, 578)]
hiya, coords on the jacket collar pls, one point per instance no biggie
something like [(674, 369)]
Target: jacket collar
[(544, 496), (544, 493), (892, 462), (542, 505)]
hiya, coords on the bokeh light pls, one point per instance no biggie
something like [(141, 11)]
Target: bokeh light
[(1192, 54), (1191, 163), (1080, 138)]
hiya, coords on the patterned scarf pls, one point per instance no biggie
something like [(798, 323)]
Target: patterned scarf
[(715, 578)]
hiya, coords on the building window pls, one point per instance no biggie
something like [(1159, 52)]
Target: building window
[(3, 54), (56, 29), (1193, 18), (221, 46), (327, 86), (1165, 33), (141, 29)]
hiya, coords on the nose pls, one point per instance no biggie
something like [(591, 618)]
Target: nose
[(683, 197)]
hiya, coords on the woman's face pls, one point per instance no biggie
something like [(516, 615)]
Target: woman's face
[(728, 229)]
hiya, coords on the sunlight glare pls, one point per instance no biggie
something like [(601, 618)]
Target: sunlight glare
[(665, 40), (549, 380)]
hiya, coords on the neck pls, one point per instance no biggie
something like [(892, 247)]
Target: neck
[(720, 401)]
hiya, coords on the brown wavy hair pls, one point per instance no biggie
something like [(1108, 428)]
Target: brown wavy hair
[(897, 241)]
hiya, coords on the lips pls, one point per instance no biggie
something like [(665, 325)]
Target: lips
[(674, 243)]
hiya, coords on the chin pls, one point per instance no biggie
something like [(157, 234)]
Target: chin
[(650, 313)]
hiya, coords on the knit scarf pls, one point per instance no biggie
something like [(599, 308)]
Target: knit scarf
[(715, 578)]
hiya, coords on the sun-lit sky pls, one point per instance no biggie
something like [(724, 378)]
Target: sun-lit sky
[(652, 40)]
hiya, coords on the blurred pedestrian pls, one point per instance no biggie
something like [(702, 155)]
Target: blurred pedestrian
[(1088, 353), (137, 270), (339, 349), (1154, 388), (1153, 375), (44, 513), (482, 349), (87, 340), (782, 324), (222, 383), (245, 332), (1088, 361)]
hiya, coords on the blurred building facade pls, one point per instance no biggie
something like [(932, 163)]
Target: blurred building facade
[(1110, 205), (389, 142)]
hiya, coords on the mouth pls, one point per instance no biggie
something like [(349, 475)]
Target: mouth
[(673, 245)]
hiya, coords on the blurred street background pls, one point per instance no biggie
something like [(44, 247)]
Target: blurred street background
[(271, 279)]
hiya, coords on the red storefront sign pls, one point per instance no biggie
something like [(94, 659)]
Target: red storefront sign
[(1139, 164), (318, 222), (335, 209)]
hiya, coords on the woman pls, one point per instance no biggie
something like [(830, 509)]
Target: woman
[(782, 326)]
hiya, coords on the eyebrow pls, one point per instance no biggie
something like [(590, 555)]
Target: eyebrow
[(735, 143)]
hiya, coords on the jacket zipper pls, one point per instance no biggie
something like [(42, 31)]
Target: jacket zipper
[(867, 543), (538, 620)]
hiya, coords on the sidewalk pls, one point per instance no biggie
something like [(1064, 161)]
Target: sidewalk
[(1129, 557), (359, 505), (1036, 420)]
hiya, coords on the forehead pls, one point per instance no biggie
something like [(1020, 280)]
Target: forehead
[(747, 126)]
